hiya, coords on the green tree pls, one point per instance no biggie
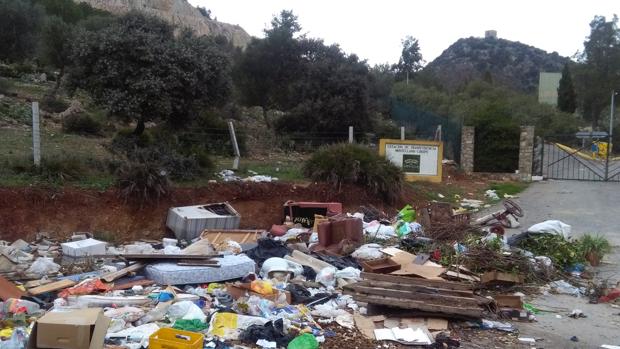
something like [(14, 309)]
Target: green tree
[(599, 71), (567, 99), (269, 66), (331, 94), (139, 71), (56, 38), (410, 60), (20, 21)]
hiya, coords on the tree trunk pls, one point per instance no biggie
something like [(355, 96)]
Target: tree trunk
[(58, 81), (139, 127)]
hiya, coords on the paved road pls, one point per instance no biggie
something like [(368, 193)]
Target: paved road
[(587, 207), (560, 164)]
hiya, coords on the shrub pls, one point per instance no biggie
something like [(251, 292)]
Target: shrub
[(562, 252), (126, 141), (81, 123), (355, 164), (53, 105), (52, 169), (5, 86), (142, 181)]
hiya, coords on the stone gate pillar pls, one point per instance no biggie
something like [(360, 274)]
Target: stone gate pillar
[(526, 152), (467, 149)]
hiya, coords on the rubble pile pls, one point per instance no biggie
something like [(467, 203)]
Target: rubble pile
[(320, 278)]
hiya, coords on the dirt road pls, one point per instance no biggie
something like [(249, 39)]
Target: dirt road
[(589, 207)]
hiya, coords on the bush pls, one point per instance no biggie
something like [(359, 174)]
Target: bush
[(53, 169), (52, 104), (142, 181), (5, 86), (562, 252), (355, 164), (126, 141), (81, 123)]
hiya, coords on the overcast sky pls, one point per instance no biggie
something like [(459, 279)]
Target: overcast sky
[(374, 29)]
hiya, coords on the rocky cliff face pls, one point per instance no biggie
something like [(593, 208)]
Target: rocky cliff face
[(177, 12), (509, 63)]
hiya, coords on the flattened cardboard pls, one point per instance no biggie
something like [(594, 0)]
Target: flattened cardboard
[(9, 290), (433, 324), (76, 329), (508, 301), (425, 272), (501, 278)]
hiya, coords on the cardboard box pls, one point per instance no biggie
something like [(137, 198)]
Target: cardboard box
[(81, 248), (508, 301), (76, 329)]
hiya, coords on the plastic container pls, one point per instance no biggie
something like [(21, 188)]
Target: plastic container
[(170, 338)]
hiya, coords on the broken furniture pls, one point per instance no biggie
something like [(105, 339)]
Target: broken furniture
[(440, 212), (188, 222), (303, 212)]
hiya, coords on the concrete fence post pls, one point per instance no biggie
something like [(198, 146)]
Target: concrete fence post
[(36, 134), (351, 140)]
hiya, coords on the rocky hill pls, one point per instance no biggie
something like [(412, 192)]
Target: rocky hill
[(177, 12), (509, 63)]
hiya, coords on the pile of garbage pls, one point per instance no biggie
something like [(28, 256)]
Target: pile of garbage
[(294, 285)]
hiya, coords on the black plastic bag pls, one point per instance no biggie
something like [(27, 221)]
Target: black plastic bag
[(273, 331), (266, 249)]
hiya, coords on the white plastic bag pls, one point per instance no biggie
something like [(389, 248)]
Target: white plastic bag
[(186, 310), (552, 227), (348, 273), (129, 314), (368, 251), (43, 266), (327, 276)]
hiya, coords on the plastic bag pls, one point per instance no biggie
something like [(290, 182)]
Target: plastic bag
[(273, 331), (190, 325), (348, 273), (407, 214), (262, 287), (87, 286), (552, 227), (327, 276), (129, 314), (156, 314), (305, 341), (172, 249), (368, 251), (186, 310), (43, 266)]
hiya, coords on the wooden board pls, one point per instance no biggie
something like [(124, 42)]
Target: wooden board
[(449, 285), (9, 290), (461, 276), (128, 285), (109, 277), (53, 286), (218, 236), (469, 312), (428, 298)]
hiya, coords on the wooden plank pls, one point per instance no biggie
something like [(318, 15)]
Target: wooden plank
[(109, 277), (462, 276), (415, 288), (419, 282), (411, 304), (128, 285), (429, 298), (53, 286), (419, 270), (9, 290)]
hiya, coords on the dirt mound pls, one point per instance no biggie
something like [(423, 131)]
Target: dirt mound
[(24, 211)]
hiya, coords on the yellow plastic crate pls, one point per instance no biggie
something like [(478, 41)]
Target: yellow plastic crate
[(170, 338)]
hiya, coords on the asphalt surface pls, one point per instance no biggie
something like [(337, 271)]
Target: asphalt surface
[(589, 207)]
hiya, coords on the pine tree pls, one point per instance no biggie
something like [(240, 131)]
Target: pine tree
[(567, 98)]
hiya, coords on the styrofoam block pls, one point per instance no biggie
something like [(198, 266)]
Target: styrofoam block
[(86, 247)]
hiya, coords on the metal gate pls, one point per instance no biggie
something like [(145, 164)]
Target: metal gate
[(570, 158)]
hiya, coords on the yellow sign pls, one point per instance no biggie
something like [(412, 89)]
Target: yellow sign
[(420, 160)]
